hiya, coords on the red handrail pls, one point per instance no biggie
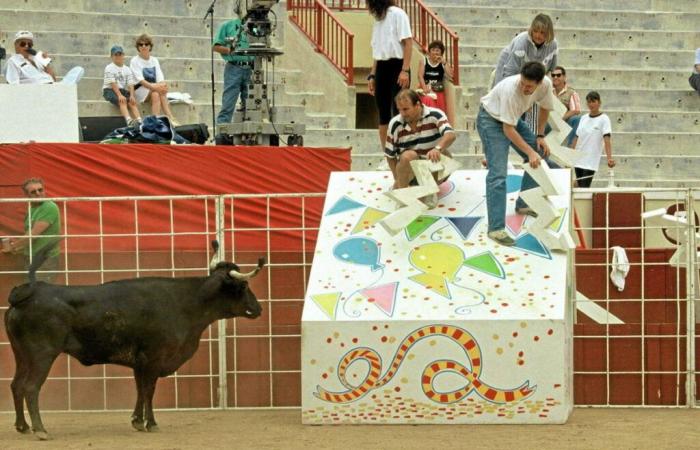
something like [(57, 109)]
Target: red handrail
[(330, 37), (425, 25)]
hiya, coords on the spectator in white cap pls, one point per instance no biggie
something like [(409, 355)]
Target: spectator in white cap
[(695, 76), (27, 66)]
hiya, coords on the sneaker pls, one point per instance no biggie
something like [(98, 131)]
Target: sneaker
[(431, 201), (501, 237), (134, 122), (526, 212), (174, 122)]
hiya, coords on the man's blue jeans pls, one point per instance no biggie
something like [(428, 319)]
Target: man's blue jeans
[(236, 79), (495, 145)]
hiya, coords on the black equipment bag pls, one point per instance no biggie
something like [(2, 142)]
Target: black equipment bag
[(196, 133)]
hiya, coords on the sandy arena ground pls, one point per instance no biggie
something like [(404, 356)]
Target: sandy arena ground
[(587, 429)]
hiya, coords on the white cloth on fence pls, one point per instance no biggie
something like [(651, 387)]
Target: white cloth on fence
[(620, 267)]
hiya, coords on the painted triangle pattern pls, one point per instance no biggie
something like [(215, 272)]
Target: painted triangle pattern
[(486, 263), (513, 183), (418, 226), (532, 245), (369, 218), (383, 297), (433, 282), (344, 204), (556, 225), (328, 303), (464, 225)]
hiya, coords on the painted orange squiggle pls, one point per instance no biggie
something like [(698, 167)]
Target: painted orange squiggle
[(374, 380)]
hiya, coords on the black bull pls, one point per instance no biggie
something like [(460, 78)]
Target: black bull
[(152, 325)]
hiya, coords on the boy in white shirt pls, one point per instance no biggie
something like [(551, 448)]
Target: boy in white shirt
[(118, 87), (500, 125), (593, 133)]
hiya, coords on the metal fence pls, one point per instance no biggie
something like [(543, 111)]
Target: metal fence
[(634, 347)]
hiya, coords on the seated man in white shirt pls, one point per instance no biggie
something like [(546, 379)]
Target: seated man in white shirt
[(500, 125), (27, 66)]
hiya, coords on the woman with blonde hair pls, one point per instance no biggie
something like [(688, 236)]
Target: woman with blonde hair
[(535, 44), (151, 85)]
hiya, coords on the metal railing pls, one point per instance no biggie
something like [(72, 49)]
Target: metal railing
[(330, 37), (425, 25)]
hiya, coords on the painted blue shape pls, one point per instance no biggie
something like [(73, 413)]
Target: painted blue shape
[(513, 183), (464, 225), (358, 250), (344, 204), (532, 245)]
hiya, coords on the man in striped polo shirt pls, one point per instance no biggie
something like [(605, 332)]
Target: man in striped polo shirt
[(418, 131)]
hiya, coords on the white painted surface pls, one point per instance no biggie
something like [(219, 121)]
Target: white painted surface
[(39, 112), (369, 292)]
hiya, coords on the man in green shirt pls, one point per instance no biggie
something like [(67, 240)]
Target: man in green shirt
[(43, 224), (231, 36)]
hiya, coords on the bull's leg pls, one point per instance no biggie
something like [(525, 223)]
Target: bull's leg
[(38, 371), (149, 391), (18, 383), (137, 416)]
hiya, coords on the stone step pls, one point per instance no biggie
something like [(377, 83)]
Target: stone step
[(364, 141), (592, 58), (630, 78), (185, 8), (584, 38), (200, 112), (114, 23), (636, 5), (637, 121), (514, 16), (621, 99), (91, 89)]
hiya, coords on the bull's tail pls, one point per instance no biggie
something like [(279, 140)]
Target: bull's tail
[(39, 259)]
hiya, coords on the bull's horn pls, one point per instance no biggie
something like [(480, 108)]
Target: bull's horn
[(215, 257), (246, 276)]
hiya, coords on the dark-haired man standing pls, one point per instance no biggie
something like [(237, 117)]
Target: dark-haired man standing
[(500, 125)]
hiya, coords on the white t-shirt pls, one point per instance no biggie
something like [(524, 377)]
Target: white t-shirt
[(506, 103), (590, 144), (137, 66), (21, 71), (388, 33), (121, 75)]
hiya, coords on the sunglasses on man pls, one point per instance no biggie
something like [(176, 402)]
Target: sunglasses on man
[(26, 44), (557, 75)]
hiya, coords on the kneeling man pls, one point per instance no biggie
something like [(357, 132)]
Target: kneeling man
[(500, 125), (418, 131)]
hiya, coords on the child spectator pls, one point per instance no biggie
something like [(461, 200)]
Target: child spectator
[(118, 87), (592, 135), (432, 72)]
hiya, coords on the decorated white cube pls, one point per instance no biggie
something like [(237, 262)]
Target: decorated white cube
[(438, 324)]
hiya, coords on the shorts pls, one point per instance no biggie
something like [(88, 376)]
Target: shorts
[(111, 97)]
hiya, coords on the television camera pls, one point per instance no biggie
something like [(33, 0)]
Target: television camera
[(257, 124)]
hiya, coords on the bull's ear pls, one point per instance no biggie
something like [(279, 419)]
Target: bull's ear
[(212, 285)]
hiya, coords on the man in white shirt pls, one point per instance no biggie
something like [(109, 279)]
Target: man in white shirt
[(27, 66), (500, 125)]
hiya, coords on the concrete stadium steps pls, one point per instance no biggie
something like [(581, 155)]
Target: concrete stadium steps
[(652, 171), (599, 18), (623, 99), (185, 8), (38, 21), (636, 5), (583, 38), (636, 78), (200, 112), (91, 89), (588, 58), (637, 121)]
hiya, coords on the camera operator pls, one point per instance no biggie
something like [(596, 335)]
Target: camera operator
[(230, 37)]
